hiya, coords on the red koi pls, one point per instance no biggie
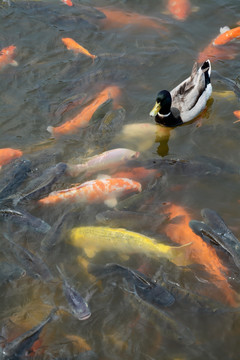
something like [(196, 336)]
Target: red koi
[(6, 56), (8, 154), (83, 118), (67, 2), (227, 35), (116, 18), (180, 9), (94, 191), (199, 251)]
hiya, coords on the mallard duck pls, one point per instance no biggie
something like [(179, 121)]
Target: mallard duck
[(186, 100)]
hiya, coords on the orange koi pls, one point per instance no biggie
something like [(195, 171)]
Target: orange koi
[(94, 191), (237, 114), (8, 154), (180, 9), (6, 56), (67, 2), (116, 18), (199, 251), (83, 118), (139, 173), (77, 48), (227, 35)]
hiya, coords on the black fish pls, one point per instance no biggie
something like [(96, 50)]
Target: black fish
[(33, 264), (10, 272), (143, 287), (23, 218), (215, 229), (13, 176), (54, 235), (17, 349), (42, 185), (78, 306)]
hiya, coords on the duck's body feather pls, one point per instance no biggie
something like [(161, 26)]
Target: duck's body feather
[(188, 98)]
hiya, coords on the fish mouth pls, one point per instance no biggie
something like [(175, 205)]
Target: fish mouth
[(85, 316), (155, 110)]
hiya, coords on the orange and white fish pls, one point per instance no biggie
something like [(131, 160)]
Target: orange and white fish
[(82, 119), (179, 9), (116, 18), (6, 56), (77, 48), (67, 2), (8, 154), (105, 190), (138, 173), (226, 35), (199, 252), (215, 50)]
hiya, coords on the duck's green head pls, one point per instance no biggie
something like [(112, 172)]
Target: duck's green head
[(163, 103)]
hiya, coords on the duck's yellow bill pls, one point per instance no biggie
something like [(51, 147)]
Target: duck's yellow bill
[(155, 109)]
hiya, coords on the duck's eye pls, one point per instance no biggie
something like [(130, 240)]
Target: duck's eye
[(158, 100)]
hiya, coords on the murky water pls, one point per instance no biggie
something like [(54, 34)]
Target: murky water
[(51, 85)]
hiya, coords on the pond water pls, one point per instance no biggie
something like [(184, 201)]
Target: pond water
[(194, 166)]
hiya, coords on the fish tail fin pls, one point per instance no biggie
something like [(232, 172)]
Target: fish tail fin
[(179, 255)]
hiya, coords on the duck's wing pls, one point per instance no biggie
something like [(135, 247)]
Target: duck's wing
[(186, 94)]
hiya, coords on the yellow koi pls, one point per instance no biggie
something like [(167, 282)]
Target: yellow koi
[(96, 238)]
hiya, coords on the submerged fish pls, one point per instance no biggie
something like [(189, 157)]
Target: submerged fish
[(131, 220), (77, 48), (180, 9), (33, 264), (13, 176), (67, 2), (226, 35), (83, 118), (17, 349), (9, 272), (8, 154), (237, 114), (23, 218), (78, 306), (199, 252), (6, 56), (96, 238), (116, 18), (43, 184), (216, 230), (105, 190), (108, 160), (143, 286)]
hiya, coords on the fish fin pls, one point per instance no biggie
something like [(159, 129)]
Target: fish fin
[(124, 257), (50, 129), (90, 251), (179, 255), (111, 202), (224, 29), (75, 170), (13, 63)]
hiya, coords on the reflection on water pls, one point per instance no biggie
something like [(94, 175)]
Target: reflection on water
[(141, 47)]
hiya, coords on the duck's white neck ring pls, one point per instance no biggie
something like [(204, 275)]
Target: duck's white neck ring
[(164, 115)]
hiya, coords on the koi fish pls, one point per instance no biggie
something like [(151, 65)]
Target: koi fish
[(6, 57), (106, 161), (18, 348), (67, 2), (226, 35), (214, 52), (237, 114), (143, 286), (199, 252), (97, 238), (83, 118), (138, 173), (101, 190), (78, 306), (76, 48), (180, 9), (8, 154), (9, 272), (116, 18)]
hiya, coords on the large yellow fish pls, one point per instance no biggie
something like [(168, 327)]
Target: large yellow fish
[(97, 238)]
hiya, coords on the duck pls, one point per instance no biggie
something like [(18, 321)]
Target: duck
[(185, 101)]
